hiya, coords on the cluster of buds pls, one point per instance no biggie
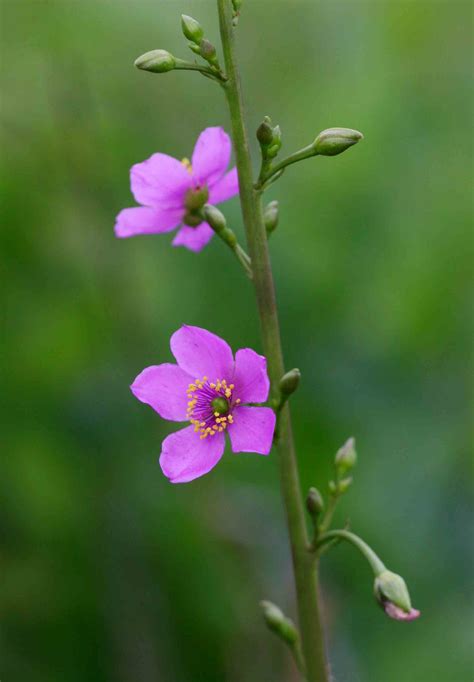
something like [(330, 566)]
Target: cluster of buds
[(198, 44)]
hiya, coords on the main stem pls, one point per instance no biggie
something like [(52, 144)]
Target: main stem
[(304, 565)]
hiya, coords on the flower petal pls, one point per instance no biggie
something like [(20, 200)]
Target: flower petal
[(161, 180), (397, 613), (250, 376), (164, 387), (185, 456), (211, 155), (252, 430), (194, 238), (225, 188), (144, 220), (201, 353)]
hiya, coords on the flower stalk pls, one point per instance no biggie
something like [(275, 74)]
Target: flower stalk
[(305, 569)]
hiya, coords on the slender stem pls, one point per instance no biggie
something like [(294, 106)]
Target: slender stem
[(266, 174), (331, 508), (304, 566), (374, 561)]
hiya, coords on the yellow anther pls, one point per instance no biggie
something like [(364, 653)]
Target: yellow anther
[(187, 164)]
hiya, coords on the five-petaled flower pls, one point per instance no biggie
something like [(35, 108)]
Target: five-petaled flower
[(210, 389), (171, 192)]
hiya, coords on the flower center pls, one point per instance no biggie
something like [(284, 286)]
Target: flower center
[(210, 406)]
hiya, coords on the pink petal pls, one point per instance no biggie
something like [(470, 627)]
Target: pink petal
[(164, 387), (397, 613), (250, 377), (252, 430), (201, 353), (160, 181), (225, 188), (144, 220), (211, 155), (194, 238), (185, 456)]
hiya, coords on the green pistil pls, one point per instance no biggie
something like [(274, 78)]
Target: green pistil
[(220, 405)]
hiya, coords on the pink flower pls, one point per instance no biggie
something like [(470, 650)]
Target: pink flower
[(169, 190), (210, 389)]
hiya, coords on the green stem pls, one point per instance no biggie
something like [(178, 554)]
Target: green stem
[(266, 174), (374, 561), (327, 518), (304, 566)]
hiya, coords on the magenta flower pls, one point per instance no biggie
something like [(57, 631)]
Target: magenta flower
[(170, 190), (210, 389)]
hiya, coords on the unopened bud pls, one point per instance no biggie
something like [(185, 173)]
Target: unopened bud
[(265, 132), (336, 140), (215, 218), (346, 457), (270, 216), (289, 382), (392, 594), (278, 622), (157, 61), (344, 484), (314, 502), (192, 29), (208, 51), (236, 5)]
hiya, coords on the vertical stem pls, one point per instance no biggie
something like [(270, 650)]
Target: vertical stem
[(304, 565)]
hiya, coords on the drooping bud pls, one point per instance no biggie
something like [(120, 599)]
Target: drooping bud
[(270, 216), (392, 594), (314, 502), (278, 622), (346, 457), (289, 382), (192, 29), (334, 141), (215, 218), (157, 61)]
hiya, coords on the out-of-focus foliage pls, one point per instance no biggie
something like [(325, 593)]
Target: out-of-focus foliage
[(108, 571)]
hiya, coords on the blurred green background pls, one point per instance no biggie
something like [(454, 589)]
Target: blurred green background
[(108, 572)]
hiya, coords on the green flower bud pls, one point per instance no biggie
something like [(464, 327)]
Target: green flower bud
[(289, 382), (192, 29), (343, 485), (390, 587), (215, 218), (265, 133), (314, 502), (278, 622), (157, 61), (335, 140), (236, 5), (270, 216), (346, 457), (208, 51)]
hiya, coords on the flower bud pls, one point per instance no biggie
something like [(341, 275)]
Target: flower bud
[(270, 216), (335, 140), (158, 61), (265, 132), (314, 502), (236, 5), (192, 29), (215, 218), (289, 382), (278, 622), (391, 593), (208, 51), (346, 457), (344, 484)]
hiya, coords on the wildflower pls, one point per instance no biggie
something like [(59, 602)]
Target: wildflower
[(171, 192), (210, 389)]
